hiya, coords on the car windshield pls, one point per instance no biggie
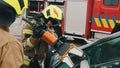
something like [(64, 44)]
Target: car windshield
[(104, 52)]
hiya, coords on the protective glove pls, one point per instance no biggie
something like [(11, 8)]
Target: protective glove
[(38, 30), (37, 27), (34, 63)]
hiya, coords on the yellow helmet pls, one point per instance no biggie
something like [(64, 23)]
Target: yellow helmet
[(17, 5), (53, 11)]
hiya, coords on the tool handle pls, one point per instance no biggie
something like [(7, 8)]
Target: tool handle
[(49, 38), (29, 22)]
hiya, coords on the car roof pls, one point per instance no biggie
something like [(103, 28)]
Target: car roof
[(110, 37)]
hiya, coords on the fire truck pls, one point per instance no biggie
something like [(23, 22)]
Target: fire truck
[(90, 18)]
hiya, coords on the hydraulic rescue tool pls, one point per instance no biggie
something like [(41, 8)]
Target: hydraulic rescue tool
[(63, 49)]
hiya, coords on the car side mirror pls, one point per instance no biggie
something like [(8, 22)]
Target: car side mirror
[(84, 64)]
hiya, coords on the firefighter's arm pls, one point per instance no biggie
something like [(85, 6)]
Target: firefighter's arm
[(26, 32), (33, 40), (52, 31)]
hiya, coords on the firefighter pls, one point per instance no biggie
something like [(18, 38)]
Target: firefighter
[(11, 50), (50, 17)]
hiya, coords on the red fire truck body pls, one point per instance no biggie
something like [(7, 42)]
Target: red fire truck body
[(90, 18)]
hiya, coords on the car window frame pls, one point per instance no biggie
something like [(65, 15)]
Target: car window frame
[(99, 46)]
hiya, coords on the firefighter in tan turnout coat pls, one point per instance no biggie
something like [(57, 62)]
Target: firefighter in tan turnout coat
[(51, 16)]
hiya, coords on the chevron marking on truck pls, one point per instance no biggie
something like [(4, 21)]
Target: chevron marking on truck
[(105, 22), (97, 21), (112, 24)]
